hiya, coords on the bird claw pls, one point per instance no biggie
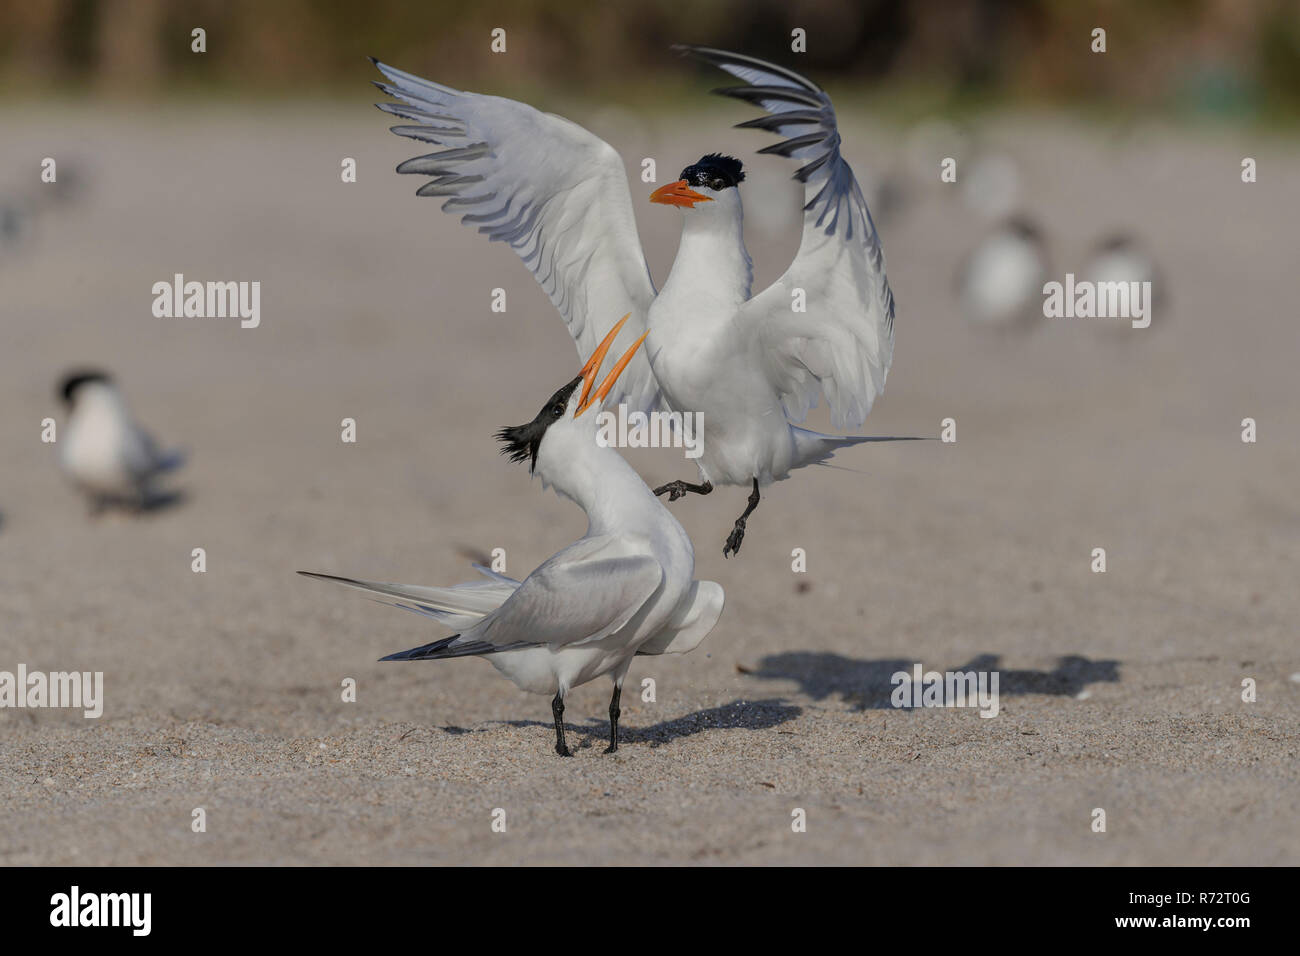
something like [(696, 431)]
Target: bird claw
[(734, 539), (612, 748), (674, 489), (563, 751)]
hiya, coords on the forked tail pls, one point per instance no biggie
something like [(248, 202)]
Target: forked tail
[(812, 447), (460, 606)]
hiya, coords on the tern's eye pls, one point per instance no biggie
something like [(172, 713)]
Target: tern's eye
[(716, 183), (557, 410)]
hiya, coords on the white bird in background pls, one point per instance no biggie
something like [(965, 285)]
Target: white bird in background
[(22, 209), (1121, 257), (1000, 283), (749, 365), (990, 185), (625, 588), (105, 453)]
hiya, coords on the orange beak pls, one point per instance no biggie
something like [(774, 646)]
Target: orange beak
[(584, 403), (592, 368), (678, 194)]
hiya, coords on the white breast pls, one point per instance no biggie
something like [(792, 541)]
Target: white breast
[(99, 448)]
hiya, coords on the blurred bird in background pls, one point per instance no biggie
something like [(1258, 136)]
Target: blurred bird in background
[(1123, 257), (1000, 282), (107, 456)]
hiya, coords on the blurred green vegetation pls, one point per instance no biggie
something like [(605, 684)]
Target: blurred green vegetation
[(1219, 57)]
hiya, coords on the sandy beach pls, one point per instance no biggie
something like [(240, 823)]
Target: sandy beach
[(223, 689)]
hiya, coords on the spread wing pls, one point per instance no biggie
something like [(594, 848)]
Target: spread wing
[(843, 344), (583, 593), (557, 194)]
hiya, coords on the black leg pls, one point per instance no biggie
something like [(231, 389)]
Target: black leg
[(557, 708), (679, 489), (614, 713), (738, 532)]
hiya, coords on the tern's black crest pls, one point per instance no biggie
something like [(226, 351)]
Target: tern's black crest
[(73, 381), (1024, 229), (715, 171), (1116, 242), (522, 441)]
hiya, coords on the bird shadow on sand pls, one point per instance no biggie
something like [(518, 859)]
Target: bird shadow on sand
[(739, 714), (867, 685), (163, 501), (157, 501)]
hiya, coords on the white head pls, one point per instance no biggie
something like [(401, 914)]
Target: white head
[(560, 442), (89, 388), (706, 191)]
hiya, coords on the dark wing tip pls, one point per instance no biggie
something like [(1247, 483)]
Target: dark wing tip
[(697, 50), (724, 58), (326, 577), (373, 59), (425, 651)]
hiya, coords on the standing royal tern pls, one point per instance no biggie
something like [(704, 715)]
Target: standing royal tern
[(625, 588), (749, 365), (105, 453)]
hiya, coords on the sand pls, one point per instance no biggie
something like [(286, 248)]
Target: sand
[(1120, 691)]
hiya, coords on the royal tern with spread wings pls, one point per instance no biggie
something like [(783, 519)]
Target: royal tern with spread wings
[(625, 588), (749, 365)]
